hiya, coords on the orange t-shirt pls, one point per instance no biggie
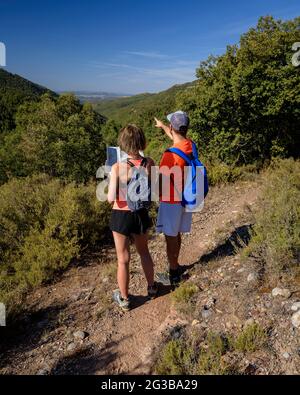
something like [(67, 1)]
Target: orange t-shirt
[(172, 188)]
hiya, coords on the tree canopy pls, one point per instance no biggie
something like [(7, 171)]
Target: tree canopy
[(55, 136), (245, 106), (15, 90)]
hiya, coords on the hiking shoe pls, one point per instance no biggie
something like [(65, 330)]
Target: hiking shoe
[(153, 291), (175, 281), (167, 279), (124, 304), (163, 278)]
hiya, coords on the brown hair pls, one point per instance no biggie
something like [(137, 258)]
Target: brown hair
[(183, 131), (132, 139)]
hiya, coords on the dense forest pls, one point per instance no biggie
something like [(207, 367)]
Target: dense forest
[(15, 90), (244, 109)]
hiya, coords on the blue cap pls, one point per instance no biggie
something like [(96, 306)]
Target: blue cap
[(179, 120)]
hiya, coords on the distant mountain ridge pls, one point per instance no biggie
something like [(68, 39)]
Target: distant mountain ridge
[(15, 90), (94, 97), (22, 86), (124, 109)]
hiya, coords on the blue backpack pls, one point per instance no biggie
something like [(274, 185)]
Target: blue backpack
[(139, 188), (196, 186)]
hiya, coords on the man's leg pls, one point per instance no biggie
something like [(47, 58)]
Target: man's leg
[(169, 223), (173, 250)]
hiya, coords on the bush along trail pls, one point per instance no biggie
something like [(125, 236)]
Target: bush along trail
[(226, 318)]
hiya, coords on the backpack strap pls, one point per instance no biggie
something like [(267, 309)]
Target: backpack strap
[(195, 151), (144, 163), (181, 154), (185, 157), (130, 163)]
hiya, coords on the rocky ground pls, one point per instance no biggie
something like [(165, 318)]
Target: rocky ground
[(71, 326)]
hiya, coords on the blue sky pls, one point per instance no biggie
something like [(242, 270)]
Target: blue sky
[(124, 46)]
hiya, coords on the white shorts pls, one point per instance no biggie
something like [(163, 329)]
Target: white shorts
[(173, 219)]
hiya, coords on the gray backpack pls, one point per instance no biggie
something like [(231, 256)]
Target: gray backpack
[(139, 188)]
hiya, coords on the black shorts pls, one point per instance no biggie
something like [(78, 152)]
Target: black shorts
[(128, 223)]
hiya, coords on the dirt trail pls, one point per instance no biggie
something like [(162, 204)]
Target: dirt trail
[(43, 341)]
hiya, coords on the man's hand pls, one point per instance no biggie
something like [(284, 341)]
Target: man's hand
[(159, 124), (164, 127)]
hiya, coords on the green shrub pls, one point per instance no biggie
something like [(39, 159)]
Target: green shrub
[(251, 339), (210, 359), (176, 359), (44, 225), (42, 255), (216, 354), (23, 205), (276, 235), (184, 293), (187, 356), (221, 173)]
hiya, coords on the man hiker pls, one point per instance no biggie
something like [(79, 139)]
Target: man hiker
[(173, 218)]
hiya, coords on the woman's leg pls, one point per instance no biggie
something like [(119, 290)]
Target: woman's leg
[(141, 243), (123, 253)]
